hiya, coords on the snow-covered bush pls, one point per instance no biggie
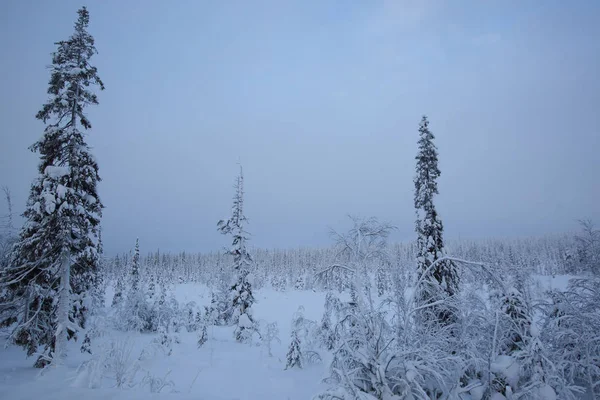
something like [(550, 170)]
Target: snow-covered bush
[(299, 284), (96, 330), (219, 312), (269, 332), (588, 247), (113, 361), (279, 283), (157, 384), (359, 369), (381, 280), (245, 328), (571, 326), (115, 365), (202, 335), (189, 318), (134, 313), (166, 339)]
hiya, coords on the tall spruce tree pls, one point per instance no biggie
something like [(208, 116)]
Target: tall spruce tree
[(429, 228), (54, 264), (134, 277), (242, 297), (119, 282), (134, 311)]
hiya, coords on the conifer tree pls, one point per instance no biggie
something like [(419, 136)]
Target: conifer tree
[(119, 283), (429, 228), (135, 312), (294, 354), (522, 368), (7, 231), (381, 280), (326, 328), (55, 261), (134, 275), (242, 297), (202, 335)]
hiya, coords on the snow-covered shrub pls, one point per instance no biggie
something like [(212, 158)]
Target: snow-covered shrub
[(299, 284), (219, 311), (151, 288), (245, 328), (189, 316), (571, 326), (113, 361), (177, 322), (381, 280), (202, 335), (279, 283), (157, 384), (588, 247), (165, 313), (269, 332), (134, 313), (510, 333), (359, 369), (166, 339), (96, 329), (520, 365), (90, 373)]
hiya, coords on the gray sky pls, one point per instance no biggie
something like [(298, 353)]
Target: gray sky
[(320, 100)]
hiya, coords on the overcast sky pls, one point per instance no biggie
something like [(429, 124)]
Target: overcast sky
[(320, 101)]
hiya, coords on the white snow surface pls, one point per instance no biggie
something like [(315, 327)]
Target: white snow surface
[(244, 321), (56, 172), (222, 369), (546, 392), (508, 367)]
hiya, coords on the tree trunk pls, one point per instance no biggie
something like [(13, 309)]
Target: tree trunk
[(64, 303)]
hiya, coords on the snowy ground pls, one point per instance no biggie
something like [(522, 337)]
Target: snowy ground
[(221, 370)]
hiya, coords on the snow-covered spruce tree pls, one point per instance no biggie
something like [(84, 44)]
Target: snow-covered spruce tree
[(151, 287), (241, 291), (381, 280), (54, 263), (134, 312), (513, 324), (294, 354), (8, 234), (443, 280), (522, 368), (98, 291), (588, 247), (300, 284), (303, 334), (202, 334), (326, 330), (119, 282), (134, 272)]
